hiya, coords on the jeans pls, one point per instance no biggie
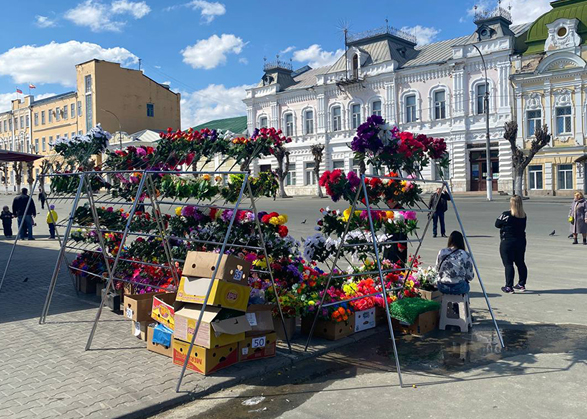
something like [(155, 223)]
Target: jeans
[(512, 251), (435, 218), (462, 287), (26, 230), (52, 230)]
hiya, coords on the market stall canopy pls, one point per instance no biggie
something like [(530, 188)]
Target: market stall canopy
[(10, 156), (581, 159)]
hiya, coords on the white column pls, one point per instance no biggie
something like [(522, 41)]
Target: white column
[(518, 98), (250, 120), (579, 140), (460, 163), (548, 181), (274, 117), (459, 94), (548, 110), (321, 113), (389, 103)]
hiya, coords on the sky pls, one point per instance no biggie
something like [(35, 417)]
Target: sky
[(209, 51)]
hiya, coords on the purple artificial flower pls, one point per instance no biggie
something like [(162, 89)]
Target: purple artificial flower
[(353, 179), (188, 211)]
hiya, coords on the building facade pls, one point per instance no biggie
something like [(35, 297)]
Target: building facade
[(120, 99)]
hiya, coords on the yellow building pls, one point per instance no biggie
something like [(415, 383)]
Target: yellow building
[(120, 99), (550, 83)]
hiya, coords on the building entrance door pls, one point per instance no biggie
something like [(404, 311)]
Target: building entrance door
[(479, 170)]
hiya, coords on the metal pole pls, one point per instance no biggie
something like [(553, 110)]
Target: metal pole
[(262, 239), (489, 180), (62, 251), (112, 269), (475, 265), (222, 250), (376, 248)]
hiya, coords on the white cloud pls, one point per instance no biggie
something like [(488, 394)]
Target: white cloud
[(99, 16), (316, 56), (522, 10), (288, 49), (210, 53), (44, 22), (7, 98), (208, 10), (197, 107), (55, 62), (243, 60), (424, 35)]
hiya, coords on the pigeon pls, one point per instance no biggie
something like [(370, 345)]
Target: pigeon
[(552, 234), (304, 222), (26, 279)]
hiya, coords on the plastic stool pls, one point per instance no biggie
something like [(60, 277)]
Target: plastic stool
[(448, 317)]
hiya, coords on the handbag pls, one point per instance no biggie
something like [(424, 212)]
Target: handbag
[(571, 219)]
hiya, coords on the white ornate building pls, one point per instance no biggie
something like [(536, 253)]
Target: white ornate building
[(436, 89)]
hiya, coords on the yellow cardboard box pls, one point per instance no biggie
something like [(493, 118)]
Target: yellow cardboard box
[(203, 264), (163, 310), (223, 294), (202, 360)]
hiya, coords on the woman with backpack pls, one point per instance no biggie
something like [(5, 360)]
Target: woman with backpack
[(512, 248), (454, 266)]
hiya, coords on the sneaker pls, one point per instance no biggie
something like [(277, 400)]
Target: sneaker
[(507, 290), (520, 288)]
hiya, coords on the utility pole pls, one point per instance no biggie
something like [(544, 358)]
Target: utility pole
[(140, 64), (487, 135)]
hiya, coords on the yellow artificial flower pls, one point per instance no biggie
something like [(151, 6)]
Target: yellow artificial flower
[(282, 220), (206, 177), (284, 217), (178, 211), (410, 283), (274, 221), (346, 214), (389, 214), (350, 289)]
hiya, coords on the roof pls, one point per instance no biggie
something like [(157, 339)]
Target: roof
[(561, 9), (6, 155), (238, 124), (53, 98)]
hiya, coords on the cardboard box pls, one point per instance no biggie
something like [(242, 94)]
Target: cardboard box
[(86, 284), (223, 294), (157, 347), (257, 347), (260, 317), (137, 307), (328, 329), (231, 268), (426, 322), (219, 326), (163, 310), (431, 295), (290, 327), (202, 360), (365, 319), (112, 300), (139, 329)]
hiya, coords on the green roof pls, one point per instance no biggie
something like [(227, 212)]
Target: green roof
[(561, 9), (238, 124)]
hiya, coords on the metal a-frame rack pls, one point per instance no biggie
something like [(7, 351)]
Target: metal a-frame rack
[(147, 188), (373, 240)]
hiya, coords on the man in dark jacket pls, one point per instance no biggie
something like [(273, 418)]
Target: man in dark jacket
[(25, 216), (438, 213)]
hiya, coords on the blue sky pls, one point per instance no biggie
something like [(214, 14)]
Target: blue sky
[(210, 51)]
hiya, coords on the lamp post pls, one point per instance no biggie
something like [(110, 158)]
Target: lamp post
[(119, 126), (487, 136)]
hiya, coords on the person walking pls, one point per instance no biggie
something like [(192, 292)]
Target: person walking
[(438, 213), (42, 197), (577, 218), (6, 217), (512, 248), (52, 220), (454, 266), (25, 220)]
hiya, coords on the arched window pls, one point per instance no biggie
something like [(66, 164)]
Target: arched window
[(439, 104), (263, 122), (355, 66), (355, 115), (410, 105), (309, 121), (480, 91), (336, 118), (289, 124), (376, 108)]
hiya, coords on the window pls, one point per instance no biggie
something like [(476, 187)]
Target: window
[(42, 117), (10, 125), (50, 141), (79, 108), (290, 179), (376, 108), (37, 145), (563, 120), (439, 105), (57, 114), (150, 110), (73, 134), (27, 121), (309, 122), (89, 113), (356, 115), (355, 66), (535, 176), (36, 119), (72, 112), (65, 135), (43, 144), (79, 132), (356, 166), (480, 96), (411, 108), (50, 112), (15, 124), (310, 175), (338, 164), (336, 118), (565, 176), (5, 126), (22, 122), (88, 83), (65, 112), (263, 122), (289, 126), (534, 119)]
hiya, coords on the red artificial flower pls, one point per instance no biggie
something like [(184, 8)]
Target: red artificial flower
[(282, 230)]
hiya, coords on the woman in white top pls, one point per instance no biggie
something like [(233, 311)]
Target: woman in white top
[(454, 266)]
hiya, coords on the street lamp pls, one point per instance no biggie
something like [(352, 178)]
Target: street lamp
[(487, 137), (119, 125)]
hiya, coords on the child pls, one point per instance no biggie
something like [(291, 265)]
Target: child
[(52, 220), (7, 217)]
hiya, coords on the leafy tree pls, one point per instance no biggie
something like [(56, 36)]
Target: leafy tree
[(282, 156)]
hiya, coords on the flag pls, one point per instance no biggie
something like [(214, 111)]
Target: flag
[(32, 86), (18, 91)]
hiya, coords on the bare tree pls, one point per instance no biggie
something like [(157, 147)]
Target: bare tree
[(317, 152), (4, 169), (521, 158), (18, 169), (30, 175), (282, 156)]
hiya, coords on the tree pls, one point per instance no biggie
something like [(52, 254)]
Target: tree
[(4, 169), (30, 175), (282, 156), (317, 152), (18, 169), (521, 158)]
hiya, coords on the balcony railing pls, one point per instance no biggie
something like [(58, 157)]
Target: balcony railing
[(384, 30), (271, 65), (488, 14)]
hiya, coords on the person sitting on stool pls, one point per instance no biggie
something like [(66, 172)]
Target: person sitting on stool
[(438, 212), (454, 266)]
